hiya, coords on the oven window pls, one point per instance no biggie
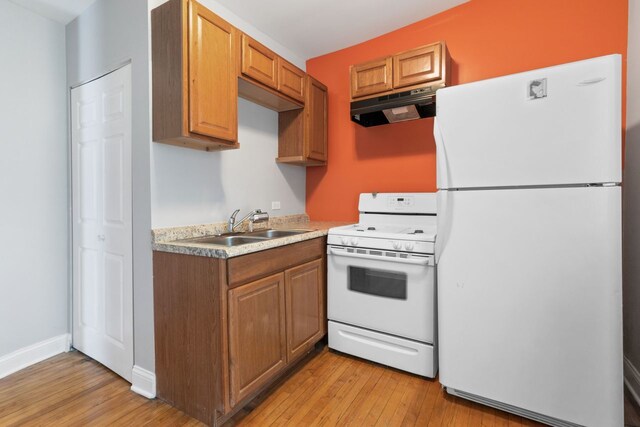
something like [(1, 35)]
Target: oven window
[(388, 284)]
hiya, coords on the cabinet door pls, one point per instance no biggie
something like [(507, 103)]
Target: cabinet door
[(316, 120), (304, 286), (291, 80), (371, 78), (259, 63), (416, 66), (257, 344), (213, 90)]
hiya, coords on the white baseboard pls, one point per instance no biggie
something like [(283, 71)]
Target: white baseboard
[(632, 379), (33, 354), (143, 382)]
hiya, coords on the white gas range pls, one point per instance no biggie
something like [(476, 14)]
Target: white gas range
[(382, 282)]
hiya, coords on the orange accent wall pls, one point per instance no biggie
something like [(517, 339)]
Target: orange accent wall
[(486, 38)]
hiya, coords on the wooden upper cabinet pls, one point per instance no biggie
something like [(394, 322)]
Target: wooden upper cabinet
[(316, 120), (423, 66), (259, 63), (304, 294), (302, 134), (416, 66), (194, 70), (371, 77), (291, 80), (213, 90), (269, 80), (201, 64), (257, 335)]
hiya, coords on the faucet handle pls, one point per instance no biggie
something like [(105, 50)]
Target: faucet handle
[(259, 216)]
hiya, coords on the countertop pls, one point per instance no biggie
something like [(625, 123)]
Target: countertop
[(165, 239)]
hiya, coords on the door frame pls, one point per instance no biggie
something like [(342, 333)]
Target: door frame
[(70, 201)]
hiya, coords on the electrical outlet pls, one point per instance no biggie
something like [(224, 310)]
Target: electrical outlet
[(275, 206)]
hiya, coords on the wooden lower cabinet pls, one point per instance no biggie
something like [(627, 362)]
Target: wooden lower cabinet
[(227, 329), (257, 349), (304, 296)]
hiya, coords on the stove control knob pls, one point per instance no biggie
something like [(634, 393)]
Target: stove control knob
[(354, 241), (344, 241), (397, 245), (408, 246)]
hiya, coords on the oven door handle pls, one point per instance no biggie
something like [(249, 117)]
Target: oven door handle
[(428, 260)]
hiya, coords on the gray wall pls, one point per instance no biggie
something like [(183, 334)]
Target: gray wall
[(631, 194), (195, 187), (33, 179), (108, 33)]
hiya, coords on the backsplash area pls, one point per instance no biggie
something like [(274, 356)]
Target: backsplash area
[(192, 187)]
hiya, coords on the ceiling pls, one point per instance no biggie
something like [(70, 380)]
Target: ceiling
[(308, 28), (314, 27), (62, 11)]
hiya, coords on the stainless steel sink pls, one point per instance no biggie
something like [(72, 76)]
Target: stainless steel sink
[(274, 234), (239, 238), (226, 240)]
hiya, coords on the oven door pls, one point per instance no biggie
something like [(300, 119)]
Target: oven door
[(385, 291)]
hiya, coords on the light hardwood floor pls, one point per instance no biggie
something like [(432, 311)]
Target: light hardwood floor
[(334, 389), (330, 389), (73, 390)]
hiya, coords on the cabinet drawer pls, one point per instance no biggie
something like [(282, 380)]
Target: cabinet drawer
[(417, 66), (253, 266), (259, 62), (291, 80), (371, 77)]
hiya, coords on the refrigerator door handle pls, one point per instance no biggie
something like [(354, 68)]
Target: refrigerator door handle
[(445, 212), (442, 170)]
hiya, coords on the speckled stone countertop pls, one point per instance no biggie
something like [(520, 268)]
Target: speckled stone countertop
[(166, 239)]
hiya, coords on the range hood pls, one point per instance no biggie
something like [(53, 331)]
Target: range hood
[(397, 107)]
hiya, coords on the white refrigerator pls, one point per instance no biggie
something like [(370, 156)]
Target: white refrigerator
[(529, 242)]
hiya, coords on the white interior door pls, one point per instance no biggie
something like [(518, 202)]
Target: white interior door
[(102, 230)]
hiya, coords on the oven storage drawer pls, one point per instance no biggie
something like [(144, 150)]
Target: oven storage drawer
[(407, 355)]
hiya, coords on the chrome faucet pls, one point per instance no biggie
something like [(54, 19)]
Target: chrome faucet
[(255, 216)]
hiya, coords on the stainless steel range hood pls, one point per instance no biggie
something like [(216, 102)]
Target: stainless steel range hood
[(398, 107)]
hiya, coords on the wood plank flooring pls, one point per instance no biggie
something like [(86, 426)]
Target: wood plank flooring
[(334, 389), (73, 390), (331, 389)]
